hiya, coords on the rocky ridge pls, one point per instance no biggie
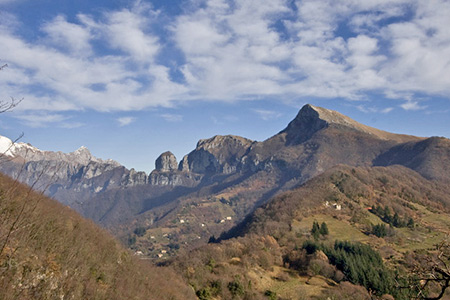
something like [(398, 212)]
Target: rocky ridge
[(219, 154), (311, 119), (69, 177), (239, 172), (237, 175)]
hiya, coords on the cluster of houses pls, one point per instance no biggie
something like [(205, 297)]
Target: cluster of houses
[(333, 205), (224, 220), (162, 253), (182, 221), (229, 218)]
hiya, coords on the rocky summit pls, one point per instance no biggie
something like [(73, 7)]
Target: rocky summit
[(166, 162), (219, 154), (311, 119)]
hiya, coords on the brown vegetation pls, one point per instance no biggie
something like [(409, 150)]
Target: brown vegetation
[(48, 251), (267, 256)]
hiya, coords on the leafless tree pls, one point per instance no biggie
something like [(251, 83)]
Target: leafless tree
[(8, 105), (430, 276)]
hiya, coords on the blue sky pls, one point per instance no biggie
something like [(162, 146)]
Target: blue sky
[(132, 79)]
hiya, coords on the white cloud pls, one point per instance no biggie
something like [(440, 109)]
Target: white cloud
[(8, 20), (124, 121), (267, 115), (224, 119), (74, 37), (420, 50), (52, 78), (172, 117), (125, 31), (371, 109), (366, 109), (228, 51), (412, 105), (41, 119), (362, 44), (231, 50)]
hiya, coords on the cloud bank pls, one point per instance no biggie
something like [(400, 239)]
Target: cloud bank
[(219, 50)]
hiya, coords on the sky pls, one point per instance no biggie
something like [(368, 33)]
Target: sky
[(132, 79)]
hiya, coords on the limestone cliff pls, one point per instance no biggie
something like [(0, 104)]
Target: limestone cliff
[(219, 154), (166, 162)]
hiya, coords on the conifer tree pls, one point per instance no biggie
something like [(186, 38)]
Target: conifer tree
[(324, 229), (379, 230), (387, 215), (315, 231), (396, 220), (410, 223)]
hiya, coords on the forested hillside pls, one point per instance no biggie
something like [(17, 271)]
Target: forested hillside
[(379, 228), (47, 251)]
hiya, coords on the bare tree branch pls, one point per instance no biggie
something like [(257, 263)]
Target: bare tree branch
[(431, 273)]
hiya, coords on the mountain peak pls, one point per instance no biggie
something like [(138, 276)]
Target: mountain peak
[(166, 162), (12, 149), (82, 149), (307, 122), (219, 141), (311, 119), (329, 116), (30, 153)]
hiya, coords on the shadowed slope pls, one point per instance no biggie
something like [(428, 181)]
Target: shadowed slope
[(430, 157)]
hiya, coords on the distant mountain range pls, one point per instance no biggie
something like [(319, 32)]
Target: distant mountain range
[(222, 180)]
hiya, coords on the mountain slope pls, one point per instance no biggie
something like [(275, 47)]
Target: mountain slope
[(47, 251), (226, 177), (355, 190), (429, 157), (315, 141), (266, 251)]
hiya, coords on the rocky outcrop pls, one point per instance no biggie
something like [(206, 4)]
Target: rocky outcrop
[(166, 162), (167, 173), (134, 178), (307, 122), (175, 178), (219, 154)]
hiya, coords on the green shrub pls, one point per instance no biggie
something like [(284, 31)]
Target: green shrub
[(272, 295), (236, 288), (203, 294), (360, 264), (140, 231)]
